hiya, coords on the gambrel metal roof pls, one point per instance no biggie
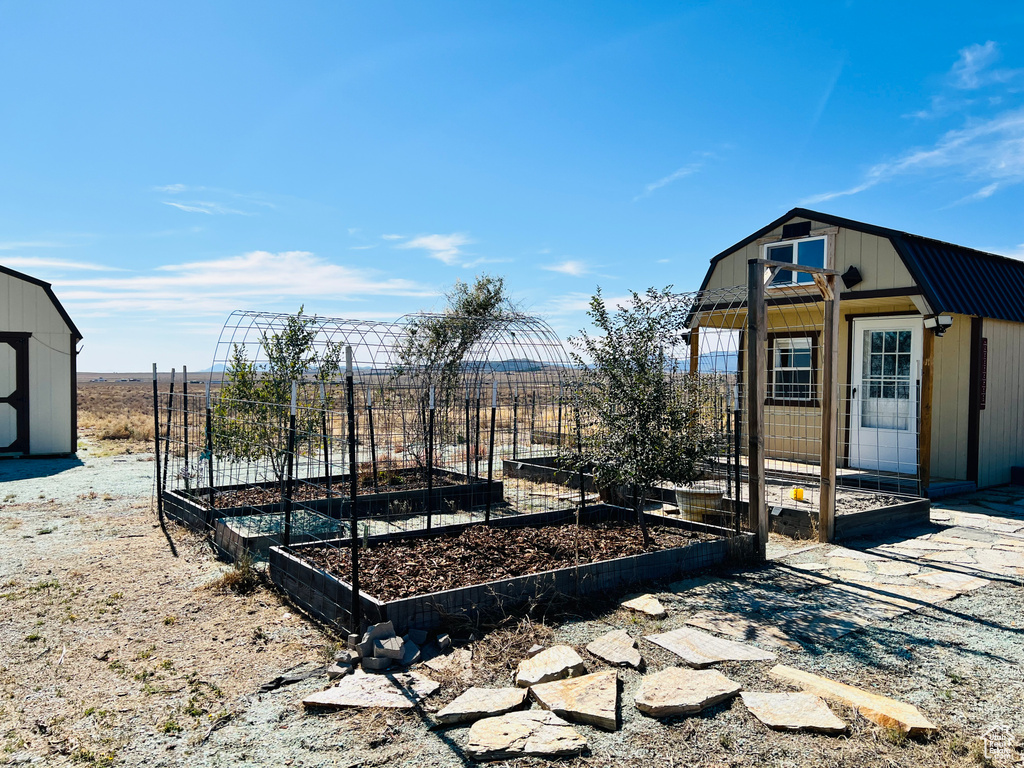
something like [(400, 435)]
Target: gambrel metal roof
[(953, 278)]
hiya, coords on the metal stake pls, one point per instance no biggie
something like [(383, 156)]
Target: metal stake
[(354, 480), (490, 452), (326, 438), (373, 442), (156, 440), (184, 398), (430, 459), (289, 476), (209, 442), (167, 437)]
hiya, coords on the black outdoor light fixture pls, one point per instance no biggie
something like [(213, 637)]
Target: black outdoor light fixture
[(851, 277)]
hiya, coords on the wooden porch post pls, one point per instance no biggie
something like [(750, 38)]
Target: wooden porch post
[(694, 350), (757, 339), (829, 410)]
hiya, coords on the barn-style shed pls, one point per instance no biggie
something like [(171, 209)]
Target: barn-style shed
[(38, 390), (931, 349)]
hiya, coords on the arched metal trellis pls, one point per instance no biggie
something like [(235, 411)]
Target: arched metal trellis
[(419, 419)]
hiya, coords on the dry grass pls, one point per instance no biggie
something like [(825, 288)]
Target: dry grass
[(242, 579), (118, 412)]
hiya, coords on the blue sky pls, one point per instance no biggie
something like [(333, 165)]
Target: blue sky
[(165, 163)]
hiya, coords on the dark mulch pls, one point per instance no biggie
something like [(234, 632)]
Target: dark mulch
[(397, 569), (307, 491)]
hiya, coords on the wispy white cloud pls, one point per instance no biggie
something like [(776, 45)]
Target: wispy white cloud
[(361, 247), (679, 173), (990, 150), (18, 245), (572, 267), (39, 262), (576, 303), (208, 208), (392, 237), (444, 248), (258, 278), (171, 189), (974, 70)]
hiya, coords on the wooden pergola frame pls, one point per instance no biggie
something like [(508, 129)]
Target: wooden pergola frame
[(759, 274)]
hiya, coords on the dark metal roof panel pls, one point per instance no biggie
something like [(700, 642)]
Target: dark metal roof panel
[(964, 281)]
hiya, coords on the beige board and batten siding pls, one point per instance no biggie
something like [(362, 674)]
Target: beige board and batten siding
[(951, 388), (26, 308), (1001, 444), (879, 265)]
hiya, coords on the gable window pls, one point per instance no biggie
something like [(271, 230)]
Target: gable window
[(793, 369), (809, 252)]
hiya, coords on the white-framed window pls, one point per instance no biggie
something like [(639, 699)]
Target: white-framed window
[(793, 370), (808, 251)]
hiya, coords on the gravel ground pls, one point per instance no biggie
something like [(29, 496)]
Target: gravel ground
[(115, 650)]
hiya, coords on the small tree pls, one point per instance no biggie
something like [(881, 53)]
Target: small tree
[(643, 420), (252, 413), (435, 347)]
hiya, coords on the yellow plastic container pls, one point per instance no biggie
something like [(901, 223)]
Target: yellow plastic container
[(797, 494)]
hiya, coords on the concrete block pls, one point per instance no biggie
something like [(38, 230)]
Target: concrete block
[(389, 647), (417, 636), (376, 664)]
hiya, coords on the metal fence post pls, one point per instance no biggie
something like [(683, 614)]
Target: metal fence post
[(156, 446), (354, 488), (289, 469)]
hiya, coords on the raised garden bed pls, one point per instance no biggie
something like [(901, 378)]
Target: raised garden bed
[(451, 491), (329, 597), (888, 513)]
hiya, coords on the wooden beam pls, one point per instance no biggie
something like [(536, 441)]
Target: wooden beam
[(694, 350), (829, 414), (924, 432), (757, 340)]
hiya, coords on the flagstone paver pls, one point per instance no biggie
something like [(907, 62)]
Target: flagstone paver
[(699, 649), (591, 699), (618, 648), (477, 703), (676, 691), (536, 733), (881, 710), (959, 582), (361, 689), (647, 604), (793, 712), (742, 628), (550, 664)]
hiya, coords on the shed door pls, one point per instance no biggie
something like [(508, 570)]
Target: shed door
[(13, 393), (886, 364)]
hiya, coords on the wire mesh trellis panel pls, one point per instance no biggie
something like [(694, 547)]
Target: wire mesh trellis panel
[(431, 445)]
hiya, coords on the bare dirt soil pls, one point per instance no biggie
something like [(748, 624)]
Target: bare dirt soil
[(393, 570)]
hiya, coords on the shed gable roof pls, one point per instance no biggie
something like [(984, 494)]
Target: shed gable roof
[(952, 277), (49, 293)]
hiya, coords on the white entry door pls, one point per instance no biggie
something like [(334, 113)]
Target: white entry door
[(886, 365)]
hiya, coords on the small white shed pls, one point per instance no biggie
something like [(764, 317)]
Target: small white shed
[(38, 387)]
